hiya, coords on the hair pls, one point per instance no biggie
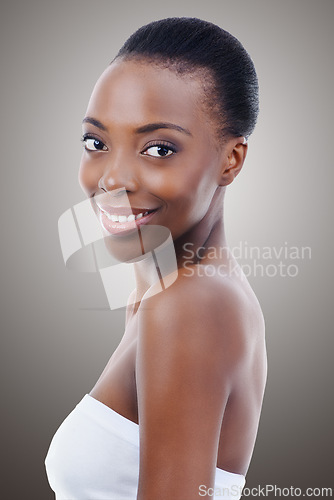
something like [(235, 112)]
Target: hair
[(191, 46)]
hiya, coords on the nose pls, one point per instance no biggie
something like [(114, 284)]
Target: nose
[(119, 175)]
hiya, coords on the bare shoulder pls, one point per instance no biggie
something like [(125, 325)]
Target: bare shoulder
[(218, 314), (220, 300)]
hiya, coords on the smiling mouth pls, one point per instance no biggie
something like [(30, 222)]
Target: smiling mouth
[(127, 218), (117, 220)]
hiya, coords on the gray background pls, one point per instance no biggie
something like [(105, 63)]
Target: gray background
[(57, 333)]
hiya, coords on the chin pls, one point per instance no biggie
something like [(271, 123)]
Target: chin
[(137, 244)]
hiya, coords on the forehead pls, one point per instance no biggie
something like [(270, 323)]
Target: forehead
[(131, 92)]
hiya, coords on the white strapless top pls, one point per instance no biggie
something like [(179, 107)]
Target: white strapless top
[(94, 455)]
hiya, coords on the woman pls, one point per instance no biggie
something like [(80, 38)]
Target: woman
[(175, 412)]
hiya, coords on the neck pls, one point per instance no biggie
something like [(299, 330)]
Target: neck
[(209, 232), (190, 248)]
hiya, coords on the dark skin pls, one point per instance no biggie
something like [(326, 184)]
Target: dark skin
[(191, 366)]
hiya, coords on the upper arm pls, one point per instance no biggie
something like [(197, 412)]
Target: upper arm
[(184, 369)]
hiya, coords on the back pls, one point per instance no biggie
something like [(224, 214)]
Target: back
[(243, 408)]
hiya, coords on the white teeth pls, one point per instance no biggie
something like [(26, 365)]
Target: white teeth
[(124, 218), (114, 218)]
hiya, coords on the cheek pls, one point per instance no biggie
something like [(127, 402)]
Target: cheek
[(88, 178), (187, 186)]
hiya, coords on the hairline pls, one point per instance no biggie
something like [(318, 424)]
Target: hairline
[(203, 74)]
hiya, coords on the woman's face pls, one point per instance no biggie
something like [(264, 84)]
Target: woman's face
[(148, 144)]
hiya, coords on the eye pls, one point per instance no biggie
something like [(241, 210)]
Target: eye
[(93, 144), (159, 150)]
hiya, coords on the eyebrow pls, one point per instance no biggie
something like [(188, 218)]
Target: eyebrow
[(150, 127), (96, 123)]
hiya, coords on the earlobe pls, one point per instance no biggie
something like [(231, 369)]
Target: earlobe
[(233, 161)]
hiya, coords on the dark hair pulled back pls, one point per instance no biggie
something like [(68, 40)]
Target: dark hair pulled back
[(190, 45)]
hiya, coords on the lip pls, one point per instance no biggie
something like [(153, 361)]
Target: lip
[(122, 228), (121, 210)]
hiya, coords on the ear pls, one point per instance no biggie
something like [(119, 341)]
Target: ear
[(234, 156)]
